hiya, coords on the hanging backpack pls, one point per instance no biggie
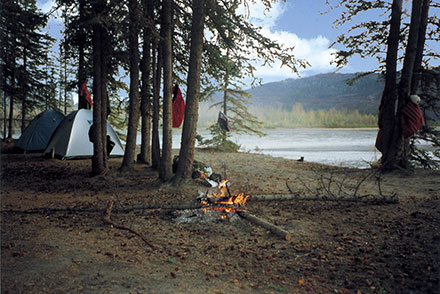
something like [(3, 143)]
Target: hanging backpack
[(223, 121)]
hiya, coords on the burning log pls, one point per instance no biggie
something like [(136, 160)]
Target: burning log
[(268, 226), (364, 199)]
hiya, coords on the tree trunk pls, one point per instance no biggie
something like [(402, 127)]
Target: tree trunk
[(165, 168), (157, 72), (5, 111), (186, 155), (4, 81), (417, 68), (133, 118), (11, 97), (145, 154), (82, 74), (105, 103), (420, 47), (23, 82), (397, 147), (389, 96), (98, 161)]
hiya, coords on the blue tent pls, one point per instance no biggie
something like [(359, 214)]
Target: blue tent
[(37, 134)]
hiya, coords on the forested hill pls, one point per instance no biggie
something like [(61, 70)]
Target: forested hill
[(323, 91)]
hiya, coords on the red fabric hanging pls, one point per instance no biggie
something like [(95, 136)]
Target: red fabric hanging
[(412, 119), (83, 91), (379, 140), (379, 137), (178, 107)]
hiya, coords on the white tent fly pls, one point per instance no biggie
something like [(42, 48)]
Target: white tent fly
[(71, 138)]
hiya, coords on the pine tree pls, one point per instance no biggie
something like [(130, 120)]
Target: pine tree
[(25, 52), (133, 119), (186, 154)]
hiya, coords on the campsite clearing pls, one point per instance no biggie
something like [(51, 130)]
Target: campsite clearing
[(334, 247)]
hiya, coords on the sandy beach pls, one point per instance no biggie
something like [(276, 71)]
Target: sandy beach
[(53, 242)]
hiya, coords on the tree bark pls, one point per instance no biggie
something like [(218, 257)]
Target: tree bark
[(101, 56), (11, 96), (157, 73), (82, 75), (5, 111), (23, 91), (105, 103), (390, 93), (145, 153), (97, 159), (420, 47), (133, 118), (397, 147), (417, 68), (165, 168), (187, 145)]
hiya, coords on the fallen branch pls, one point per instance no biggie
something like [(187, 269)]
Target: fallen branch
[(45, 210), (107, 220), (268, 226), (364, 199)]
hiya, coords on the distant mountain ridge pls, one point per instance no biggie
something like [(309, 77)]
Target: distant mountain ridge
[(323, 91)]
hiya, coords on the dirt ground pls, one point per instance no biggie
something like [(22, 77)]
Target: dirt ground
[(48, 245)]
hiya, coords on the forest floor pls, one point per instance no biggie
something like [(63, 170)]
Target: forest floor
[(336, 247)]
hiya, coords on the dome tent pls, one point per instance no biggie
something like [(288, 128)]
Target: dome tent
[(71, 138), (37, 134)]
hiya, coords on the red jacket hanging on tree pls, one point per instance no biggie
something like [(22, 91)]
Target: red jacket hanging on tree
[(178, 107), (85, 92)]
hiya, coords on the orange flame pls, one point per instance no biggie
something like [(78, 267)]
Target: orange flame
[(228, 202)]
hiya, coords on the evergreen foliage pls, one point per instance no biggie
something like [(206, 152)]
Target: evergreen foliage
[(25, 81)]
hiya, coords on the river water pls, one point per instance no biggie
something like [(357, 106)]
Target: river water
[(341, 147)]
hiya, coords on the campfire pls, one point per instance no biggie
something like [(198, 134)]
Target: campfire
[(222, 200), (219, 204)]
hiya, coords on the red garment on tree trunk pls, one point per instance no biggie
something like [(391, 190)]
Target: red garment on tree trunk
[(83, 91), (412, 119), (379, 137), (178, 107)]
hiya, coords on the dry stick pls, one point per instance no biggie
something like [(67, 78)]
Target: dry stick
[(360, 183), (378, 179), (107, 220), (365, 199), (341, 184), (268, 226), (304, 184)]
